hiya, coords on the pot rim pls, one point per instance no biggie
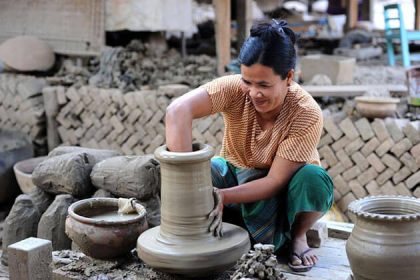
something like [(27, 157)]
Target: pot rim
[(73, 207), (359, 207), (204, 153)]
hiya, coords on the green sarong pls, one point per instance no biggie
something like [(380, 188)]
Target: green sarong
[(269, 221)]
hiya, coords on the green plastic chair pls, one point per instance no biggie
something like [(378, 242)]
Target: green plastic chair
[(393, 16)]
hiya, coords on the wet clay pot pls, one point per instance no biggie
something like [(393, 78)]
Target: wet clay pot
[(182, 243), (100, 232), (23, 172), (385, 242)]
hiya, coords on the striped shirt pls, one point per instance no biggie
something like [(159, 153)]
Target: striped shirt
[(294, 135)]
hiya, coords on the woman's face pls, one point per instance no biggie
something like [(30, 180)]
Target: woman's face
[(265, 88)]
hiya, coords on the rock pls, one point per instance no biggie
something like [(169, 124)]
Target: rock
[(140, 177), (21, 223), (41, 199), (52, 223), (103, 193), (152, 206), (99, 154)]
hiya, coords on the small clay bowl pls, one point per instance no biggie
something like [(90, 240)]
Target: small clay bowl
[(23, 172), (97, 234), (376, 107)]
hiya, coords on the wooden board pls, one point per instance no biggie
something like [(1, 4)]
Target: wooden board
[(332, 265)]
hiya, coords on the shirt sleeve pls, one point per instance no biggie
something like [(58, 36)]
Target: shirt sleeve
[(301, 144), (223, 92)]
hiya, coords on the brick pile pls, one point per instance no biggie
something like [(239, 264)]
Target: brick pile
[(22, 108), (371, 157), (132, 122)]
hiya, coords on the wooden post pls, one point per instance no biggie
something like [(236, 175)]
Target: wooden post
[(51, 111), (366, 10), (351, 14), (417, 14), (222, 8), (244, 20)]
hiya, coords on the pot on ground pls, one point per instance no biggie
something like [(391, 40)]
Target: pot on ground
[(23, 172)]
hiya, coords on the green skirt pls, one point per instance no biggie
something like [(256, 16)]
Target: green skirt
[(269, 221)]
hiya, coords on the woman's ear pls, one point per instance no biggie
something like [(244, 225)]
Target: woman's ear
[(290, 77)]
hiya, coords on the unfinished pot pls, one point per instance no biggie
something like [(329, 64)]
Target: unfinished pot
[(100, 231), (376, 107), (385, 242), (182, 243), (23, 172)]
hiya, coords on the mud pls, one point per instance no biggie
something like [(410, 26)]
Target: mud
[(113, 216)]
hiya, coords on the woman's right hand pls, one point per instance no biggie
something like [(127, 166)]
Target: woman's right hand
[(217, 213)]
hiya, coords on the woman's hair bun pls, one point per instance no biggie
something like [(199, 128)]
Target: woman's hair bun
[(274, 28)]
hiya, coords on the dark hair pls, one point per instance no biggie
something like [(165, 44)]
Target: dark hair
[(270, 44)]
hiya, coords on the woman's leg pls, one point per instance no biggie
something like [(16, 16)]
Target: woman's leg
[(310, 195)]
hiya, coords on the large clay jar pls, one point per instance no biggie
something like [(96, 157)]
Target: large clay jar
[(385, 242), (99, 231)]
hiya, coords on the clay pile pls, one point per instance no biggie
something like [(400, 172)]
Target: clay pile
[(137, 65), (259, 263)]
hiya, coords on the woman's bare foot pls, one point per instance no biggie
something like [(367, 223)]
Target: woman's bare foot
[(301, 254)]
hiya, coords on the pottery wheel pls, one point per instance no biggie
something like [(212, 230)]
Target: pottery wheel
[(193, 257)]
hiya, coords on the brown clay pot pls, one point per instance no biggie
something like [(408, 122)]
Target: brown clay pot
[(376, 107), (102, 238), (23, 172), (385, 242)]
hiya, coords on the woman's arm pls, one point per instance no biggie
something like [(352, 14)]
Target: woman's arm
[(278, 177), (179, 116)]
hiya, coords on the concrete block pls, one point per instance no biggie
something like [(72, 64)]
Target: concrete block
[(328, 155), (360, 160), (317, 234), (29, 259), (336, 170), (357, 189), (416, 192), (325, 140), (332, 128), (373, 188), (337, 196), (341, 143), (391, 162), (370, 146), (384, 147), (415, 151), (385, 176), (401, 147), (412, 132), (410, 162), (345, 201), (401, 175), (351, 173), (389, 189), (402, 189), (376, 162), (364, 128), (344, 159), (341, 185), (354, 146), (378, 126), (367, 176), (349, 129), (413, 180), (394, 129)]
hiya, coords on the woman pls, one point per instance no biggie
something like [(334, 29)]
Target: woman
[(269, 176)]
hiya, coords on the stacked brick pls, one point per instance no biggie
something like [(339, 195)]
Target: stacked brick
[(132, 122), (22, 108), (371, 158)]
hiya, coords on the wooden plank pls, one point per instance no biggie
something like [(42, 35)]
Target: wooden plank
[(244, 20), (352, 11), (222, 27), (333, 263), (350, 90), (339, 230)]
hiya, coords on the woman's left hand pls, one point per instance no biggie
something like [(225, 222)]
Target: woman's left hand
[(217, 213)]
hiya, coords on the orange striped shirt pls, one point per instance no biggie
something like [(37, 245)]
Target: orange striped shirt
[(294, 135)]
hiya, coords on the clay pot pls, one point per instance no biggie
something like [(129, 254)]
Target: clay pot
[(376, 107), (385, 242), (103, 238), (23, 172)]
